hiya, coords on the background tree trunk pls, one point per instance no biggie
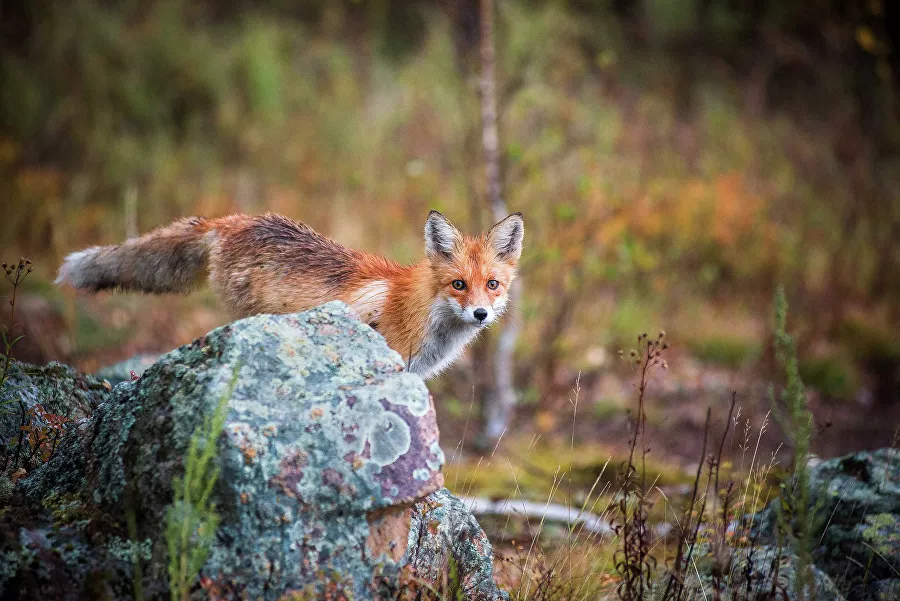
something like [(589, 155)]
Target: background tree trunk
[(497, 393)]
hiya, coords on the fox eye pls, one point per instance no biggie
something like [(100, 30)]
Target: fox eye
[(492, 284), (458, 285)]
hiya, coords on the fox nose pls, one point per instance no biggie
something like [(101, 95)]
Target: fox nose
[(480, 314)]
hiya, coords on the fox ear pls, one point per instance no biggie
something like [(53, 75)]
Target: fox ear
[(440, 236), (506, 237)]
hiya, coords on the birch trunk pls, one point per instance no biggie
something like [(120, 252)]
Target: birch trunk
[(499, 394)]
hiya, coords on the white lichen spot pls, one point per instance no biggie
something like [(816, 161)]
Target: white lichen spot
[(421, 474), (439, 457), (405, 390), (385, 431)]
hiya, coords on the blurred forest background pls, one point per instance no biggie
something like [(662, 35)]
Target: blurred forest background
[(675, 161)]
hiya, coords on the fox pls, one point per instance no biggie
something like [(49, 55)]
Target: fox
[(428, 311)]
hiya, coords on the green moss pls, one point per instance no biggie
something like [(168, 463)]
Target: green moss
[(65, 508), (882, 533), (127, 550), (537, 475)]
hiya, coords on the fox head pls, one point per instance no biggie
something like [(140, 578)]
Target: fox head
[(473, 274)]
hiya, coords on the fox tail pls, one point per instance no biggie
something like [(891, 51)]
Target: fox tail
[(169, 259)]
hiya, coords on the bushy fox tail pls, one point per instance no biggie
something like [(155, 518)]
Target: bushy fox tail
[(169, 259)]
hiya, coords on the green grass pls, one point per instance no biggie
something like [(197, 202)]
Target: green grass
[(530, 466), (726, 350), (191, 520)]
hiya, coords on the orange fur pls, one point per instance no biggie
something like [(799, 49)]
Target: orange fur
[(270, 264)]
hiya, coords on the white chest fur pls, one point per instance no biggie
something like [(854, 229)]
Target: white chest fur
[(446, 337)]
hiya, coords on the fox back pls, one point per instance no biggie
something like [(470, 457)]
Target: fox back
[(427, 311)]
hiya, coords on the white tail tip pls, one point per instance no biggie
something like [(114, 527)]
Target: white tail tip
[(73, 269)]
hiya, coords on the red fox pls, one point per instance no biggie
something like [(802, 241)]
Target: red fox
[(428, 312)]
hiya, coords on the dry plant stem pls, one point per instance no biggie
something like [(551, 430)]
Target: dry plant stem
[(675, 585), (642, 548), (12, 321), (21, 440), (696, 531), (633, 561), (724, 438), (15, 275), (572, 462), (21, 271), (715, 463)]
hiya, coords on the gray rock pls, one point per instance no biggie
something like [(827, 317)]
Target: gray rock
[(768, 569), (445, 532), (31, 393), (885, 590), (856, 500), (329, 461), (786, 575)]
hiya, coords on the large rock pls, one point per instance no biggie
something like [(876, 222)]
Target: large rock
[(769, 568), (330, 476), (856, 500), (41, 398)]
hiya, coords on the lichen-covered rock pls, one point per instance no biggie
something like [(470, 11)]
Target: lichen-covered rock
[(768, 569), (816, 584), (444, 532), (856, 500), (329, 453), (58, 388), (43, 397)]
